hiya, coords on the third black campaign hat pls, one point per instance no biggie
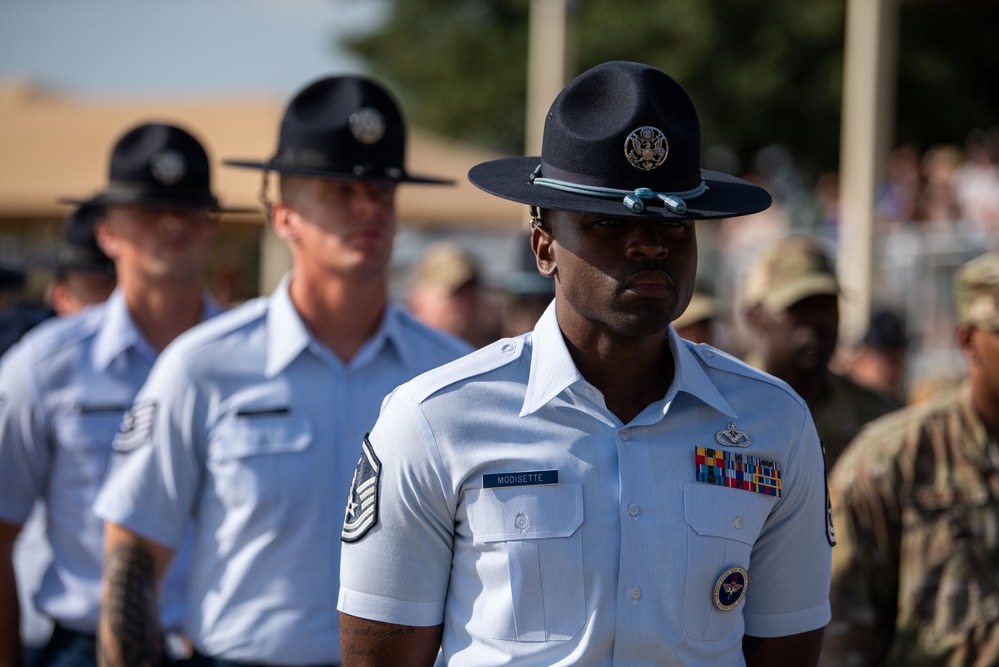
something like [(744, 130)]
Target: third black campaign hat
[(622, 140), (160, 165), (345, 127)]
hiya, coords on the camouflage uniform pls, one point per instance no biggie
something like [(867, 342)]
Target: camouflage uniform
[(915, 572)]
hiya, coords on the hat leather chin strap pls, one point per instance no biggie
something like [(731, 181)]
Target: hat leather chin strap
[(633, 200)]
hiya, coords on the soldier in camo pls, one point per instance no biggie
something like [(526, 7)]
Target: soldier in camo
[(915, 578), (791, 303)]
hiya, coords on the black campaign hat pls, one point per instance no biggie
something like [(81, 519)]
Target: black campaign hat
[(345, 127), (79, 250), (621, 140), (157, 165)]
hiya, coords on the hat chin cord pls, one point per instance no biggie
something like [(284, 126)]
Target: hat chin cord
[(633, 200)]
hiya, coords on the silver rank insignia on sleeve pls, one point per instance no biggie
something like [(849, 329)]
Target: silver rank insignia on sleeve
[(136, 427), (731, 587), (362, 501), (731, 436)]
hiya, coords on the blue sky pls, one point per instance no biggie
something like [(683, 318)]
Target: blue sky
[(139, 48)]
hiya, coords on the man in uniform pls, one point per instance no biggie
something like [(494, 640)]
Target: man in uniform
[(597, 491), (249, 424), (84, 277), (65, 387), (792, 309), (914, 495)]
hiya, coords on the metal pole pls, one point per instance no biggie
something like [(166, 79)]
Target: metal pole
[(867, 131), (546, 47)]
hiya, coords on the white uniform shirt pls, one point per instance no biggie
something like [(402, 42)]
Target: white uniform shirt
[(253, 430), (618, 561), (63, 392)]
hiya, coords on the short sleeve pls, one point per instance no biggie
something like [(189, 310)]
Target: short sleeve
[(789, 568), (24, 437), (396, 569)]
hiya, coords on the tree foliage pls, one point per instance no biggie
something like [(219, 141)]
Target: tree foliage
[(759, 72)]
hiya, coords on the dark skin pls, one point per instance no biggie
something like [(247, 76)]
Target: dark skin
[(619, 283), (797, 343)]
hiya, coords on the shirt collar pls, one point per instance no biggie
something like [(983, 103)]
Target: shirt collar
[(287, 335), (553, 371), (118, 332)]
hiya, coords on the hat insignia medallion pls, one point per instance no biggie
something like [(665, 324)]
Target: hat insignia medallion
[(168, 167), (646, 148), (367, 125)]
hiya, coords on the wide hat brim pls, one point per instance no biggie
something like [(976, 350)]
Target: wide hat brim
[(154, 200), (336, 173), (726, 196)]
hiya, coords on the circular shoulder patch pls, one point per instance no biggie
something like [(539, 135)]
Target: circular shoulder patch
[(731, 588)]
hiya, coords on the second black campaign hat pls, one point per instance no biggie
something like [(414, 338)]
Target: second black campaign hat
[(344, 127), (623, 140)]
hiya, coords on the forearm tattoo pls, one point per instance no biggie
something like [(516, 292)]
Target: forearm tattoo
[(130, 632)]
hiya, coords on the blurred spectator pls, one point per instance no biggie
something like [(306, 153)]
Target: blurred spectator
[(938, 207), (696, 324), (791, 302), (878, 362), (976, 183), (898, 199), (16, 317), (445, 292)]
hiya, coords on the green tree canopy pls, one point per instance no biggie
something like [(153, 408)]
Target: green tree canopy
[(759, 72)]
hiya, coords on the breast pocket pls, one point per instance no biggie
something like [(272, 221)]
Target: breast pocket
[(84, 437), (535, 529), (723, 525), (254, 458)]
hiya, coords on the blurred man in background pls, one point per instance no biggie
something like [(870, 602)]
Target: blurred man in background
[(65, 387), (915, 570), (791, 305), (446, 292)]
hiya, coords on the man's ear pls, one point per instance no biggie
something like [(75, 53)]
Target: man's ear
[(964, 337), (281, 220), (542, 243), (106, 239)]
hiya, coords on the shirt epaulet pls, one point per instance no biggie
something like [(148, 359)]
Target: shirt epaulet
[(218, 327), (722, 361), (58, 333), (482, 361)]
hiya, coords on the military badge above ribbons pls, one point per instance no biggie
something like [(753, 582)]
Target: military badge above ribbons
[(362, 502), (737, 471)]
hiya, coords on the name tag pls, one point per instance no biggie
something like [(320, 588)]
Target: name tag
[(527, 478)]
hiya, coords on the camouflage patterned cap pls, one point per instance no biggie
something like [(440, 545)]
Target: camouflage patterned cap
[(789, 270), (445, 265), (976, 292)]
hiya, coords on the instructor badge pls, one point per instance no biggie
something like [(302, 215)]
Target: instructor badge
[(731, 588), (362, 502)]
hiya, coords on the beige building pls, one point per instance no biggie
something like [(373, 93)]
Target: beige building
[(53, 145)]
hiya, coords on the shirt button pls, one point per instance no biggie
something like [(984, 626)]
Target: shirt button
[(708, 353), (738, 522), (521, 521), (625, 436), (507, 348), (633, 509), (636, 593)]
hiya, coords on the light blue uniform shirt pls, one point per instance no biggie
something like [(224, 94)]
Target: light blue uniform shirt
[(64, 390), (518, 511), (255, 432)]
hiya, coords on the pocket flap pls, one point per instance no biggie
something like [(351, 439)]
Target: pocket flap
[(240, 436), (719, 511), (525, 512)]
